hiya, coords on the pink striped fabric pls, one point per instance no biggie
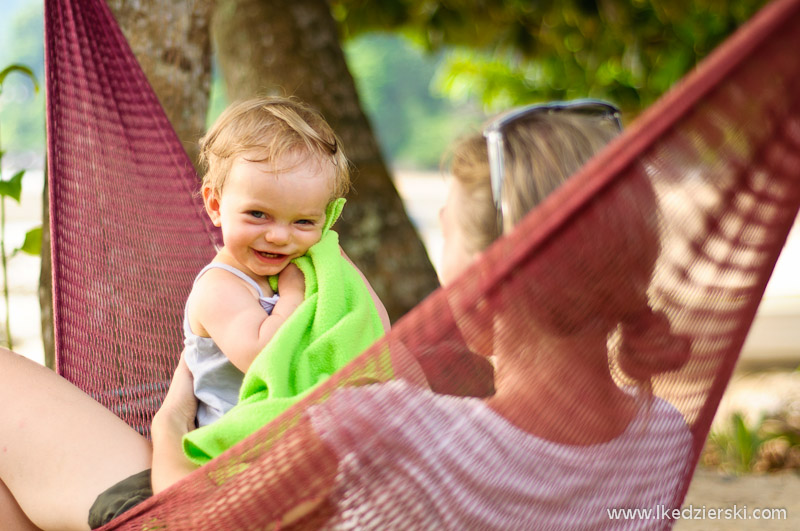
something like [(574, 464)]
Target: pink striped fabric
[(499, 476)]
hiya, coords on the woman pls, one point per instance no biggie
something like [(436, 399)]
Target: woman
[(572, 426), (483, 463)]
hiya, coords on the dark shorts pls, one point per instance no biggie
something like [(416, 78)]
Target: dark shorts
[(125, 495)]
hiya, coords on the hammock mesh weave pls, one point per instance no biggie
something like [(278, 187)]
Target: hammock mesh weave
[(719, 155)]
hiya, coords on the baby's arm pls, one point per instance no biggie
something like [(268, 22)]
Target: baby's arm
[(222, 307)]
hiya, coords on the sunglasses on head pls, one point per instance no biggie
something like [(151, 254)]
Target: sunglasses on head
[(496, 145)]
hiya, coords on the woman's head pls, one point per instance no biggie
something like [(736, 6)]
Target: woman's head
[(269, 129), (592, 276), (541, 151)]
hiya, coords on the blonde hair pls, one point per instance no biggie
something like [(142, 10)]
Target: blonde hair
[(600, 278), (541, 151), (271, 127)]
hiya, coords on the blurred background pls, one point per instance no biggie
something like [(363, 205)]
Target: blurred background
[(400, 80)]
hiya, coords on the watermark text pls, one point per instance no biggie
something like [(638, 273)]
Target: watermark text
[(692, 512)]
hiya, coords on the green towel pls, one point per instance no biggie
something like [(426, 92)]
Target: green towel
[(336, 321)]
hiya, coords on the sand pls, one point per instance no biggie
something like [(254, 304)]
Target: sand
[(742, 496)]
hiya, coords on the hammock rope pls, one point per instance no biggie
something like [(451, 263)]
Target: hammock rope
[(721, 153)]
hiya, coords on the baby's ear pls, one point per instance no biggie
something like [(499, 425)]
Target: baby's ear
[(211, 202)]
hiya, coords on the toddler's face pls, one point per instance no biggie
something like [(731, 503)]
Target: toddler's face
[(271, 212)]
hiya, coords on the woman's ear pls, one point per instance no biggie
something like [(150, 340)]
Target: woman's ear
[(211, 202)]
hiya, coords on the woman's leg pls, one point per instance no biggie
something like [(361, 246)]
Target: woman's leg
[(11, 514), (59, 448)]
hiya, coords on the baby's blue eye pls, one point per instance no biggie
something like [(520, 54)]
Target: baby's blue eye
[(256, 214), (305, 222)]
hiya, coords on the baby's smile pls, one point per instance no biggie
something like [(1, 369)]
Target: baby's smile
[(270, 255)]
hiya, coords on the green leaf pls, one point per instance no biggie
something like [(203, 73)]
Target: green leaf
[(22, 69), (748, 441), (33, 242), (13, 187)]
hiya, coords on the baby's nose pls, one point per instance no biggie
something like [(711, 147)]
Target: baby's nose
[(277, 234)]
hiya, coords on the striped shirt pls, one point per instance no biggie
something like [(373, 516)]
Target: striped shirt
[(412, 459)]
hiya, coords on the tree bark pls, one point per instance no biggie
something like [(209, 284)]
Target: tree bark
[(293, 48), (46, 282), (171, 41)]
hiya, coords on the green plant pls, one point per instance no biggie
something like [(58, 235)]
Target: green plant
[(734, 448), (770, 444), (12, 189)]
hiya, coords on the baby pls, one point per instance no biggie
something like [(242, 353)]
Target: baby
[(274, 166)]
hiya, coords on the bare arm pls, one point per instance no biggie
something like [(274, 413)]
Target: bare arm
[(299, 461), (222, 307), (173, 420)]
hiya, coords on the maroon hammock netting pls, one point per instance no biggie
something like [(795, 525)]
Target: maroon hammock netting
[(721, 151)]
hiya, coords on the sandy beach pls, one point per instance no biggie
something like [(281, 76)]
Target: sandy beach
[(773, 497)]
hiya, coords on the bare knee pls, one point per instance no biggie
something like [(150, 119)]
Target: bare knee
[(59, 448)]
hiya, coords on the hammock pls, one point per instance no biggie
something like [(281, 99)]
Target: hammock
[(721, 151)]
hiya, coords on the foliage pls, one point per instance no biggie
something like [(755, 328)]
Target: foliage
[(218, 96), (413, 125), (393, 77), (511, 52), (12, 189), (740, 444), (490, 52), (23, 108), (771, 443)]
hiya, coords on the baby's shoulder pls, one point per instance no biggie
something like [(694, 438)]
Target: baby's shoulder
[(217, 278), (216, 285)]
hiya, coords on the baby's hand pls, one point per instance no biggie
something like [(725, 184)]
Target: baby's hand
[(292, 284)]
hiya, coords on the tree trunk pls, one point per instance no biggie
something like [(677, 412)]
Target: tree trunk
[(292, 48), (46, 282), (172, 43)]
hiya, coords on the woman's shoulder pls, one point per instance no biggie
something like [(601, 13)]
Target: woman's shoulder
[(660, 418)]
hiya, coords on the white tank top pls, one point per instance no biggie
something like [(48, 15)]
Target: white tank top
[(216, 379)]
